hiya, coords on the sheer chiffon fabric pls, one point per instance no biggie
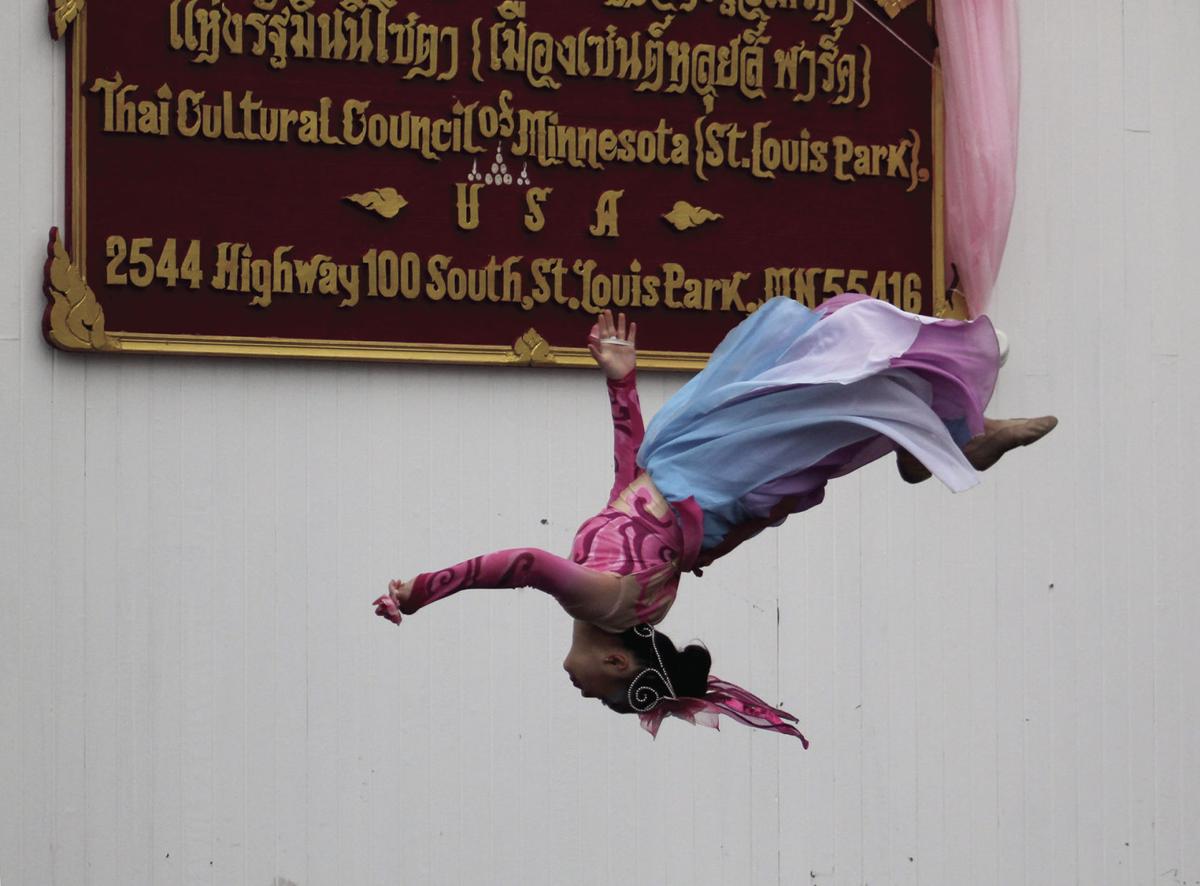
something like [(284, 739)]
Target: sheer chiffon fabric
[(979, 47), (723, 698), (795, 397)]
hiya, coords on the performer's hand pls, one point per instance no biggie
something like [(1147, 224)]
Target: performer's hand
[(614, 346), (392, 604)]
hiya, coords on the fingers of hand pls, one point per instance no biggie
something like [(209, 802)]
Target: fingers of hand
[(385, 607)]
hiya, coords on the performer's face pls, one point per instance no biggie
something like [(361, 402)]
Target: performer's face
[(597, 664)]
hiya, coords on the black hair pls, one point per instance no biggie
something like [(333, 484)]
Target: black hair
[(687, 668)]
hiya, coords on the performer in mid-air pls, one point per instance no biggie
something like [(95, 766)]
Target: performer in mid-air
[(791, 398)]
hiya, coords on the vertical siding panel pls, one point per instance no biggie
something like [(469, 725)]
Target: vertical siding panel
[(1142, 256), (1168, 557), (901, 589), (1011, 674), (1119, 575), (230, 631), (197, 439), (486, 520), (134, 639), (957, 746), (974, 565), (320, 561), (878, 584), (264, 595), (407, 470), (99, 677), (761, 789), (14, 270), (542, 631), (1186, 177), (69, 581), (292, 589), (1071, 599), (1131, 431), (565, 836), (808, 660), (449, 405), (930, 606), (168, 587), (12, 591), (355, 579), (1098, 291), (848, 794), (726, 851), (38, 616)]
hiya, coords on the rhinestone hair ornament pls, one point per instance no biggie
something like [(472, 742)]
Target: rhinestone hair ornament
[(643, 696)]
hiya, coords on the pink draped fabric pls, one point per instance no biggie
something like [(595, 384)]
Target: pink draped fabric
[(725, 698), (979, 48)]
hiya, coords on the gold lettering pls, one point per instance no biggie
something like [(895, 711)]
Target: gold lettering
[(607, 215), (535, 198), (468, 205)]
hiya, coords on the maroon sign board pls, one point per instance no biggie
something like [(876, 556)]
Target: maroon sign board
[(460, 181)]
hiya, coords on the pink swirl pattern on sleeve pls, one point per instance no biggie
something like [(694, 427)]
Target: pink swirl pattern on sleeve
[(628, 431), (583, 592)]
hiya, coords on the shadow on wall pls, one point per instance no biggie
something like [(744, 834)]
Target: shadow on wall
[(280, 881)]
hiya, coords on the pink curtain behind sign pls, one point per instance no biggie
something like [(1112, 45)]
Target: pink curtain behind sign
[(981, 64)]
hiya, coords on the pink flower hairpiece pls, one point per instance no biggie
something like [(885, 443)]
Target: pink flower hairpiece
[(722, 698)]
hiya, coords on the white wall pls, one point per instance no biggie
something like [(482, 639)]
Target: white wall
[(1002, 687)]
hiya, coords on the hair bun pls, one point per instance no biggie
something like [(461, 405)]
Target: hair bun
[(692, 668)]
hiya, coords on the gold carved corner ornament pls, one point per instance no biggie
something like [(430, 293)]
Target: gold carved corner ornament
[(684, 216), (951, 306), (75, 320), (384, 202), (62, 14), (894, 7), (532, 350)]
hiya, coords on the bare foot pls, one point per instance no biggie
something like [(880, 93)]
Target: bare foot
[(1001, 435)]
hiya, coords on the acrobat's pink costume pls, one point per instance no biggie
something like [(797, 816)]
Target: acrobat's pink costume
[(792, 398)]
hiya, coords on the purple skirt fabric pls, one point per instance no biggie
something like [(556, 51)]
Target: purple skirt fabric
[(795, 397)]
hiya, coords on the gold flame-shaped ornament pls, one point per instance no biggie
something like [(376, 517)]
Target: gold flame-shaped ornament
[(894, 7), (684, 216), (384, 202), (76, 320), (62, 13), (532, 350)]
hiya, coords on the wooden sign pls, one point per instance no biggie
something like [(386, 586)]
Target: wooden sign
[(456, 181)]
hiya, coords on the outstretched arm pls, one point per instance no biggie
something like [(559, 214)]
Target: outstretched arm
[(584, 593), (614, 348)]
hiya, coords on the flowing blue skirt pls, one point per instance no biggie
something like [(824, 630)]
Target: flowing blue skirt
[(794, 397)]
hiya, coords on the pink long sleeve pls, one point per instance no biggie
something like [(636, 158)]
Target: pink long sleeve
[(628, 431), (584, 593)]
